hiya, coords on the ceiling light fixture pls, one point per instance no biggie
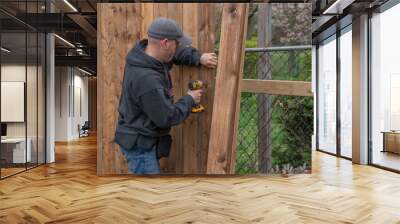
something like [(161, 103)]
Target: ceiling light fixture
[(5, 50), (70, 5), (65, 41), (337, 7), (86, 72)]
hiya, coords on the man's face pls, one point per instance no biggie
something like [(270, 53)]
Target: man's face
[(169, 48)]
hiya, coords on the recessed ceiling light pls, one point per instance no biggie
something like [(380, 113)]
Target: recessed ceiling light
[(65, 41), (338, 6), (84, 71), (70, 5), (5, 50)]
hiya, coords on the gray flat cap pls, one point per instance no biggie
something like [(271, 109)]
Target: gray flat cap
[(167, 28)]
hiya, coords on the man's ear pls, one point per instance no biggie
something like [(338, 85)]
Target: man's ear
[(163, 43)]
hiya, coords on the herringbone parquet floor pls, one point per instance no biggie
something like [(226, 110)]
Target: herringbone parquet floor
[(70, 192)]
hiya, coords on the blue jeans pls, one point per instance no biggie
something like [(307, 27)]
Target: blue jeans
[(141, 161)]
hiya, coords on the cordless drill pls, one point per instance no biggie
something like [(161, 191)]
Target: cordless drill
[(196, 85)]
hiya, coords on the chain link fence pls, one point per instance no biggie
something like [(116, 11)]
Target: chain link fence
[(275, 131)]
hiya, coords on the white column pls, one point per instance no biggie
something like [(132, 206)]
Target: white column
[(50, 93)]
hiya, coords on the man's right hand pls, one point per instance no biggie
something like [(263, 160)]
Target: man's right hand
[(196, 95)]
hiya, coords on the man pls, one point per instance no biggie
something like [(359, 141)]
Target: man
[(147, 110)]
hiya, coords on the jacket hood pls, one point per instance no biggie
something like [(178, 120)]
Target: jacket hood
[(137, 57)]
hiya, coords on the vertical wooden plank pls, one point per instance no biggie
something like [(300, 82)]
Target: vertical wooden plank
[(191, 126), (110, 163), (196, 128), (206, 44), (133, 25), (161, 10), (243, 30), (221, 155), (190, 146), (114, 41), (130, 35), (175, 160), (100, 42), (150, 11), (147, 16)]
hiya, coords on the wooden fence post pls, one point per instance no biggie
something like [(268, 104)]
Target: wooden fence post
[(222, 147)]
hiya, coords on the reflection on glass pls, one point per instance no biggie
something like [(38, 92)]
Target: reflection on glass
[(327, 96), (346, 93), (22, 90), (41, 98), (385, 84), (14, 147), (31, 101)]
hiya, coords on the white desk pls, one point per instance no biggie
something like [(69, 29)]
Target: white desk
[(18, 149)]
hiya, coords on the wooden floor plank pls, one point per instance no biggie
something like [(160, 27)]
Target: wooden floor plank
[(69, 191)]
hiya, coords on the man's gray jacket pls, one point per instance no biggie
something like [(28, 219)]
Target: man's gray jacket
[(147, 110)]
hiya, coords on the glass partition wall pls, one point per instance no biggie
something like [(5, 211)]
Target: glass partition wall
[(334, 94), (22, 87), (327, 95), (345, 61), (385, 89)]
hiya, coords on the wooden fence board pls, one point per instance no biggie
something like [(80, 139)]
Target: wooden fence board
[(113, 41), (206, 43), (175, 160), (277, 87), (191, 126), (222, 146)]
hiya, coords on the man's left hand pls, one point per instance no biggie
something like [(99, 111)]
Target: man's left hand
[(209, 60)]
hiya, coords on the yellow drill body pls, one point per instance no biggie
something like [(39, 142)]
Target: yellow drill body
[(196, 85)]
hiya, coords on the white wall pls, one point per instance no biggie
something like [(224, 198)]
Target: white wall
[(13, 73), (61, 103), (81, 100), (71, 93)]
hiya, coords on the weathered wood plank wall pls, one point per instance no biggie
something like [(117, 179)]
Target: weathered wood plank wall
[(119, 27)]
